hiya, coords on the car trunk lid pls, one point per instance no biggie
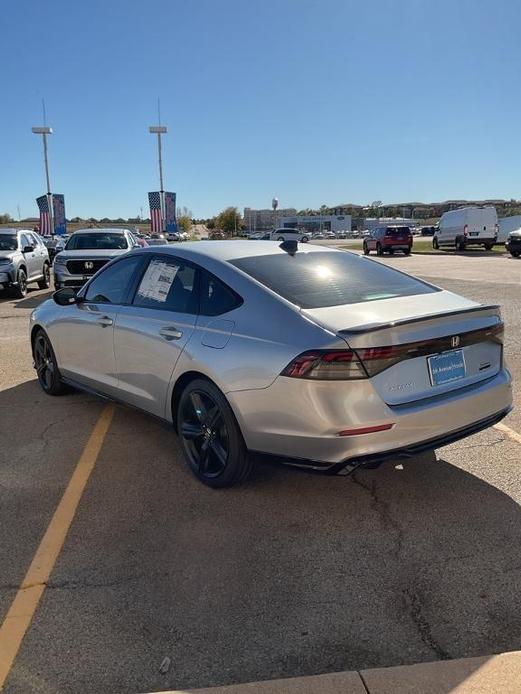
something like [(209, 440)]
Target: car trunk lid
[(424, 347)]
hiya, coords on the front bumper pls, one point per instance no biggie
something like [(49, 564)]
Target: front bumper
[(7, 275), (63, 278), (294, 419)]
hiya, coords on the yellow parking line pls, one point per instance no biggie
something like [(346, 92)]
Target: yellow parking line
[(509, 432), (21, 612)]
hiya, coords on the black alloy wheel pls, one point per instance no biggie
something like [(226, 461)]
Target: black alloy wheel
[(46, 366), (211, 439), (45, 283), (20, 290)]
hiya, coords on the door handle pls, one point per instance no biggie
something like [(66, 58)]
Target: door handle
[(170, 332), (105, 321)]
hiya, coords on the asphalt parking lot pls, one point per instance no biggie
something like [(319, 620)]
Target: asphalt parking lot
[(165, 584)]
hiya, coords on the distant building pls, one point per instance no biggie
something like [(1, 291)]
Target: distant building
[(257, 220), (373, 222), (312, 223)]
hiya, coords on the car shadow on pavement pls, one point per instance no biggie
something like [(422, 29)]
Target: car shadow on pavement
[(33, 298), (289, 574)]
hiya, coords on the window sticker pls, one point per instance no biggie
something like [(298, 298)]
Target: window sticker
[(157, 281)]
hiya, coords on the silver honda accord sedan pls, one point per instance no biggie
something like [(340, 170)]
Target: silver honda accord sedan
[(314, 357)]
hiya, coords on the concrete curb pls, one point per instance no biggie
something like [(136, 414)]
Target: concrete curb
[(483, 675)]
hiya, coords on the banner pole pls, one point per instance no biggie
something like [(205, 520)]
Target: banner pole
[(47, 177)]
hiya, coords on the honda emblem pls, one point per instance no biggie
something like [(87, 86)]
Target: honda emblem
[(89, 265), (454, 341)]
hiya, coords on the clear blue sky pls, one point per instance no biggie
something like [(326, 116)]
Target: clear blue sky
[(315, 101)]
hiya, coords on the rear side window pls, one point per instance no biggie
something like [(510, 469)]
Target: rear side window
[(216, 297), (168, 284), (315, 280)]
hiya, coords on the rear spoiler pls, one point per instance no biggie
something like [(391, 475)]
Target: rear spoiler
[(372, 327)]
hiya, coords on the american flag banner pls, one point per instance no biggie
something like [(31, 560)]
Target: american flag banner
[(45, 218), (156, 219)]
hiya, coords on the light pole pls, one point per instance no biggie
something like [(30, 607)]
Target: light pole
[(160, 130), (44, 131), (275, 204)]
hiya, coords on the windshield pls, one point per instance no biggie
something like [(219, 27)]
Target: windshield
[(316, 280), (101, 241), (8, 242)]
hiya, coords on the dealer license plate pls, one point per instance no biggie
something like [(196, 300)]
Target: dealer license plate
[(446, 367)]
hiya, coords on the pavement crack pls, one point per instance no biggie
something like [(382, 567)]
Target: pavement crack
[(414, 608), (479, 445), (383, 509)]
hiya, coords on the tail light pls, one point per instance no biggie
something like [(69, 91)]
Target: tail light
[(350, 364), (338, 365), (496, 226), (466, 230)]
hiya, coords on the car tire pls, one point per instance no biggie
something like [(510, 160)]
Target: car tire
[(460, 246), (379, 249), (366, 249), (435, 244), (281, 238), (210, 436), (20, 291), (514, 254), (46, 366), (304, 239), (407, 251), (489, 246), (45, 283), (391, 251)]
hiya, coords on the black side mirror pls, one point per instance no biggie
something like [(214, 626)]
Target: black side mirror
[(66, 297), (28, 249)]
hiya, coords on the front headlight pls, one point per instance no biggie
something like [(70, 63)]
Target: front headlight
[(5, 261), (59, 261)]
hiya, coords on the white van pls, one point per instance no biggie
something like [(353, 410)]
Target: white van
[(283, 234), (468, 226)]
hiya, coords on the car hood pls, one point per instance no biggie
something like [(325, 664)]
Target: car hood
[(92, 254)]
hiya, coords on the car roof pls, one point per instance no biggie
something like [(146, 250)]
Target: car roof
[(233, 250), (100, 229), (11, 230)]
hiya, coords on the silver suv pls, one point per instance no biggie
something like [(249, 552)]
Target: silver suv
[(88, 250), (23, 259)]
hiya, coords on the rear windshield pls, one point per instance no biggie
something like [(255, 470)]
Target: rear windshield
[(101, 241), (315, 280), (397, 231)]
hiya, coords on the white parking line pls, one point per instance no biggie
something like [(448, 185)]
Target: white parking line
[(509, 432)]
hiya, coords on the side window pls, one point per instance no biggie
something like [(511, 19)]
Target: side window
[(26, 240), (37, 241), (110, 287), (169, 284), (216, 297)]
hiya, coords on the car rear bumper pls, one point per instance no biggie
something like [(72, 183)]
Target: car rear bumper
[(293, 419)]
